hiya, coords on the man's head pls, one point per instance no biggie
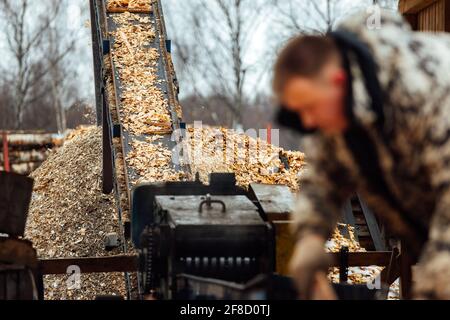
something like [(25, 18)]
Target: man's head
[(310, 80)]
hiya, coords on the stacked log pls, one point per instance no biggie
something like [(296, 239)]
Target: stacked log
[(28, 150)]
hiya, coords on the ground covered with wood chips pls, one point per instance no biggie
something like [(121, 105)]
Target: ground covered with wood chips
[(70, 216)]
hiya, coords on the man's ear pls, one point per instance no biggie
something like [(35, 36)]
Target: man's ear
[(339, 77)]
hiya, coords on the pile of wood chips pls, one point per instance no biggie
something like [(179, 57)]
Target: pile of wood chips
[(143, 109), (70, 216), (253, 160)]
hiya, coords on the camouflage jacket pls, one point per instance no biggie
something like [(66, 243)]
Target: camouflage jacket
[(412, 148)]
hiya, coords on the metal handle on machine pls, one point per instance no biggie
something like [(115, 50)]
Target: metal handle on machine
[(209, 202)]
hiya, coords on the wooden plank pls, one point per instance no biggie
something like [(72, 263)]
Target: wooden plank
[(284, 242), (19, 252), (130, 263), (432, 18), (122, 263), (276, 201), (447, 15), (414, 6)]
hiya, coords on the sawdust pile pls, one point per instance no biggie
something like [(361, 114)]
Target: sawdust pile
[(69, 214), (253, 160)]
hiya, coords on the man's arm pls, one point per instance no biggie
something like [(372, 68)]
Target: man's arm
[(324, 188), (432, 280), (433, 273)]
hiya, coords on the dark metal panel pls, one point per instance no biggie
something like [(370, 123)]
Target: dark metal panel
[(349, 219), (17, 283), (108, 160), (96, 55), (372, 224), (406, 277), (15, 197)]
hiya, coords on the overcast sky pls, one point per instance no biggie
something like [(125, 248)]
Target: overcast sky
[(263, 41)]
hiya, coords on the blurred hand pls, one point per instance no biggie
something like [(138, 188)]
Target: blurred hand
[(322, 288), (308, 267)]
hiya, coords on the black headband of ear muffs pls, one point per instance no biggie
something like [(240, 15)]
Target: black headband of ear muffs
[(348, 42), (291, 120)]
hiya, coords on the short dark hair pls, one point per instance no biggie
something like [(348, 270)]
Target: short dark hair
[(302, 56)]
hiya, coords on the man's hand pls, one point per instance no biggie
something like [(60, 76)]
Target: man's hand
[(308, 260)]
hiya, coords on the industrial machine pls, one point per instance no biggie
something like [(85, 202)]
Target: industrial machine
[(214, 231), (219, 241)]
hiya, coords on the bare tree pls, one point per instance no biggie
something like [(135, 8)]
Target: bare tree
[(26, 35), (213, 52), (314, 16), (61, 78)]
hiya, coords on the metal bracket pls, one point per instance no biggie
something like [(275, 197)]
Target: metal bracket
[(343, 268), (169, 46), (106, 46)]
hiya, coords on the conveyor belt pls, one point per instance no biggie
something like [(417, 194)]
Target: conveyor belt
[(164, 73), (166, 83), (103, 25)]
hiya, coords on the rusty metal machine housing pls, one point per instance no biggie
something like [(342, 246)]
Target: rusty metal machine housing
[(18, 259), (213, 231)]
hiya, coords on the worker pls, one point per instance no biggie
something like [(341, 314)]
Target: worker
[(374, 107)]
